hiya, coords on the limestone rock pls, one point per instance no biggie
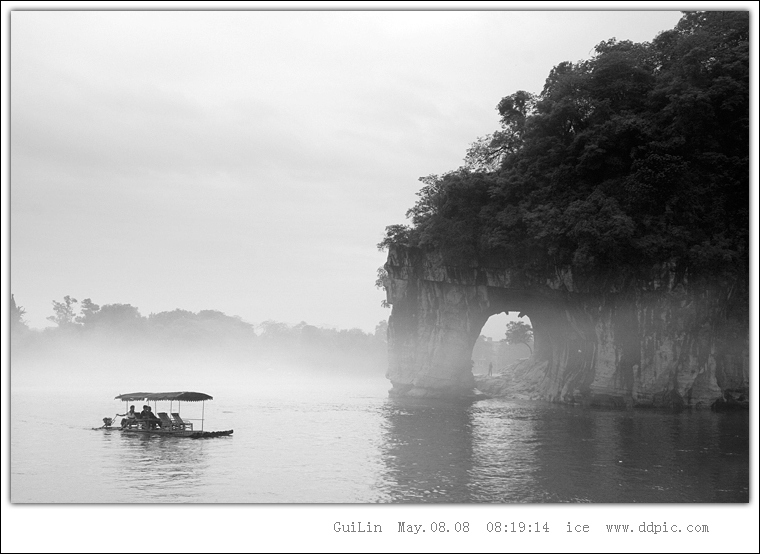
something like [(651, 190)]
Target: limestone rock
[(659, 341)]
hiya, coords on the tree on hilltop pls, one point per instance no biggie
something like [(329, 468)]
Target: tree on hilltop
[(635, 157)]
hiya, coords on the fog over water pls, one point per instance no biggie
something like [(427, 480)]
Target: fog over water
[(104, 374)]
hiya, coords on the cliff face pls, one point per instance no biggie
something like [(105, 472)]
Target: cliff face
[(662, 341)]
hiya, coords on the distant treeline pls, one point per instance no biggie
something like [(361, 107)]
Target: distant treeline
[(121, 326)]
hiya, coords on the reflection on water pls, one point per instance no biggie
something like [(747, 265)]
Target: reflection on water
[(355, 445), (501, 451), (627, 456), (427, 448), (174, 466)]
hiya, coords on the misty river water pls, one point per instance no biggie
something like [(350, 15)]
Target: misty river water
[(345, 441)]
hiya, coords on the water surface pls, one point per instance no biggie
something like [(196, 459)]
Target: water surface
[(345, 441)]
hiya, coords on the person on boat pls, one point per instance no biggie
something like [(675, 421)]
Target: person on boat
[(143, 416), (129, 417), (150, 417)]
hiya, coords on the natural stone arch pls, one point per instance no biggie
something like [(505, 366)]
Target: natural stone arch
[(657, 343)]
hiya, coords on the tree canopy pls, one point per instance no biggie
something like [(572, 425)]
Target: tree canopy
[(519, 333), (64, 312), (635, 157)]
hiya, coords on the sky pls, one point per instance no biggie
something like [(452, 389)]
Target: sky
[(249, 161)]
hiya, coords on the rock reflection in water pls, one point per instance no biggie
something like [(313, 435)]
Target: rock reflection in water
[(636, 456), (367, 449), (427, 451), (517, 452), (566, 454), (505, 453)]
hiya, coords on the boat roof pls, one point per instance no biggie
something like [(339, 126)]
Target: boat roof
[(184, 396)]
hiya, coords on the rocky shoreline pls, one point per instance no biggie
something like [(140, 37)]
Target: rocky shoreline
[(519, 382)]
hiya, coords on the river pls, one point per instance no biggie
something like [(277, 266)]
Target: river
[(339, 440)]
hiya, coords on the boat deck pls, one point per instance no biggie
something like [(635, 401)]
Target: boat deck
[(171, 433)]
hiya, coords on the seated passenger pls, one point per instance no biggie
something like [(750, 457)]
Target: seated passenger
[(129, 417), (152, 419), (144, 416)]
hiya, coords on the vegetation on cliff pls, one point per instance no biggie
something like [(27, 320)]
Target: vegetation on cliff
[(635, 157)]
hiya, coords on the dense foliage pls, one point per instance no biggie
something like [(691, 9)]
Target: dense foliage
[(635, 157)]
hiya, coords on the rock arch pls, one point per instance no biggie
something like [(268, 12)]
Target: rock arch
[(663, 341)]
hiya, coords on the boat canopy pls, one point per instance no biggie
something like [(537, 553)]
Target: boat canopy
[(184, 396)]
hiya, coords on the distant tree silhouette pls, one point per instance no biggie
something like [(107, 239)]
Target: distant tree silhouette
[(88, 312), (381, 331), (205, 332), (519, 333), (64, 312), (117, 316), (17, 317)]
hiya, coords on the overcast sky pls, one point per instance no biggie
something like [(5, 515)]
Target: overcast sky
[(249, 161)]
